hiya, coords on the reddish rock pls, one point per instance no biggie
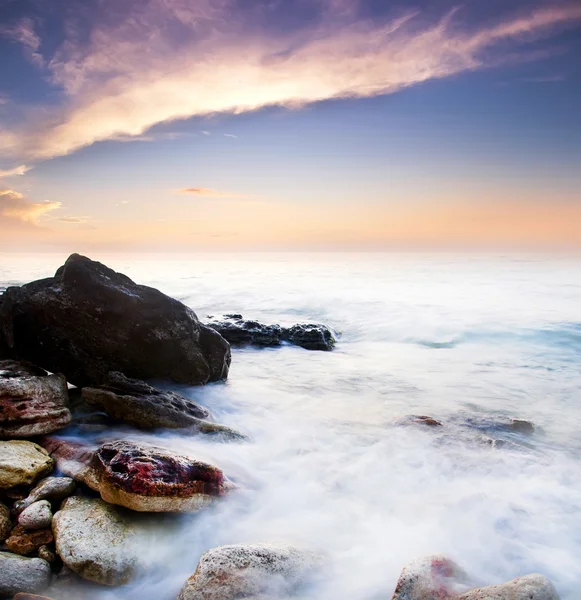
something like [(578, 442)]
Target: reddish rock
[(141, 477), (5, 523), (31, 402), (26, 542)]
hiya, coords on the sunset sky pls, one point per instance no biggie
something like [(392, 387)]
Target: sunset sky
[(282, 124)]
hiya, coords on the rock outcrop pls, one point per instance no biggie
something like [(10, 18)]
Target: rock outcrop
[(22, 463), (140, 477), (249, 571), (97, 541), (243, 332), (20, 574), (143, 406), (529, 587), (31, 401), (88, 320)]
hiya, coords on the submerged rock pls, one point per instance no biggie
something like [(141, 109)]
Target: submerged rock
[(141, 477), (418, 420), (51, 488), (97, 541), (243, 332), (88, 320), (22, 463), (529, 587), (37, 516), (249, 571), (431, 578), (31, 401), (20, 574)]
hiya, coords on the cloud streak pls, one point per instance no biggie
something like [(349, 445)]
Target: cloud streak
[(20, 170), (117, 87), (13, 205), (24, 32), (209, 193)]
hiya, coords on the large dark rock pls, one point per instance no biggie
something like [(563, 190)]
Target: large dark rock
[(88, 320), (243, 332), (139, 404)]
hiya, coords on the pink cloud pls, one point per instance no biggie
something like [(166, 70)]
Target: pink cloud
[(118, 87)]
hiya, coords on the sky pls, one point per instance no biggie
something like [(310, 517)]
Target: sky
[(172, 125)]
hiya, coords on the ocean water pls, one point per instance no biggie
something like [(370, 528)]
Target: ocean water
[(461, 338)]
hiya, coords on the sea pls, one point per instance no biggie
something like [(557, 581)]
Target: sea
[(471, 340)]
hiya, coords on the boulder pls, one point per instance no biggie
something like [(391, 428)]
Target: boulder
[(31, 402), (26, 542), (249, 570), (5, 522), (22, 463), (529, 587), (88, 320), (20, 574), (145, 407), (37, 516), (97, 541), (141, 477), (243, 332), (310, 336), (431, 578), (51, 488)]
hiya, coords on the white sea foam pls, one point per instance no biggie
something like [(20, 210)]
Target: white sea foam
[(445, 336)]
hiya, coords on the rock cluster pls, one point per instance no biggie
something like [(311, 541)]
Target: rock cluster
[(243, 332)]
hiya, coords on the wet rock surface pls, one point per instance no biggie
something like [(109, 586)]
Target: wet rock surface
[(21, 574), (26, 542), (50, 488), (88, 320), (97, 541), (37, 516), (141, 477), (431, 578), (143, 406), (249, 571), (31, 404), (5, 522), (529, 587), (22, 463), (243, 332)]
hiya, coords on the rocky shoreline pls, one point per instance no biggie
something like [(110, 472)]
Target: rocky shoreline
[(74, 511)]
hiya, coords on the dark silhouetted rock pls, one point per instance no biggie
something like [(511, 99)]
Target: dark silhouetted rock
[(243, 332), (88, 320), (31, 402), (141, 477), (139, 404)]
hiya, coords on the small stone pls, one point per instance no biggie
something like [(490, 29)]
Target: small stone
[(20, 574), (22, 463), (26, 542), (5, 523), (51, 488), (47, 554), (37, 516), (529, 587)]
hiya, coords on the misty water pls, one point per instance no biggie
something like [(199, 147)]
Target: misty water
[(456, 337)]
